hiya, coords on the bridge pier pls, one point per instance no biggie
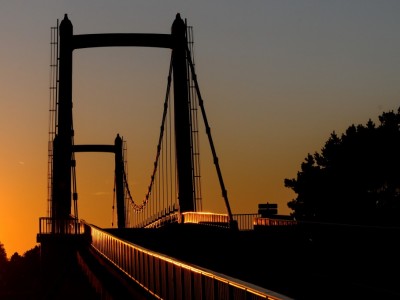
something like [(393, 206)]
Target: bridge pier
[(61, 275)]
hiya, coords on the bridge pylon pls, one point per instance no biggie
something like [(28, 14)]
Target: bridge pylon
[(63, 142)]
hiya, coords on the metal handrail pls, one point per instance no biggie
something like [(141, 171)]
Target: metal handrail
[(245, 221), (273, 222), (167, 278), (221, 220), (60, 226)]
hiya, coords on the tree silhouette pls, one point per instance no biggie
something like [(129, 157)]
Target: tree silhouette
[(354, 179), (3, 256), (3, 267), (20, 276)]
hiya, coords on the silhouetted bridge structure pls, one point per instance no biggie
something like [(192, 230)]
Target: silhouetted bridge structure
[(165, 246)]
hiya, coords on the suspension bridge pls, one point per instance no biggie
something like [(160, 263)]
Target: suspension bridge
[(164, 246)]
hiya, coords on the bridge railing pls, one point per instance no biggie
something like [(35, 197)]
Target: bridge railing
[(245, 221), (221, 220), (204, 218), (274, 222), (60, 226), (166, 278), (167, 219)]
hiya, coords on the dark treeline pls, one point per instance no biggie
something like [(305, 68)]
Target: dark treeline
[(348, 204), (19, 275), (354, 179)]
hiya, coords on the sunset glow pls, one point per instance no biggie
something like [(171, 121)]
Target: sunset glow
[(276, 77)]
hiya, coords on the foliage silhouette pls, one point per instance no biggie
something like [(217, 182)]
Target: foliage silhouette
[(20, 276), (3, 255), (3, 267), (355, 179)]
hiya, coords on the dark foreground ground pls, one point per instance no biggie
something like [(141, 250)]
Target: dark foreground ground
[(304, 262)]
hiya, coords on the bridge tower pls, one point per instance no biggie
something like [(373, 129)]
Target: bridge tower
[(182, 117), (63, 146), (63, 141), (65, 236)]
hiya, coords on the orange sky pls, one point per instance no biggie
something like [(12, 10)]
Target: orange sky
[(276, 77)]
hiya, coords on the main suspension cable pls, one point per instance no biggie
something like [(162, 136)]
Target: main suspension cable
[(139, 207)]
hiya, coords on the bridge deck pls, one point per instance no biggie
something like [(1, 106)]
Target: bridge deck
[(286, 260), (108, 281), (319, 262)]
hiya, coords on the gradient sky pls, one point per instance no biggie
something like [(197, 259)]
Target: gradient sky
[(277, 78)]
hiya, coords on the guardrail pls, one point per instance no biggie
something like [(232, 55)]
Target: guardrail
[(273, 222), (168, 219), (167, 278), (245, 221), (205, 218), (60, 226), (220, 220)]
